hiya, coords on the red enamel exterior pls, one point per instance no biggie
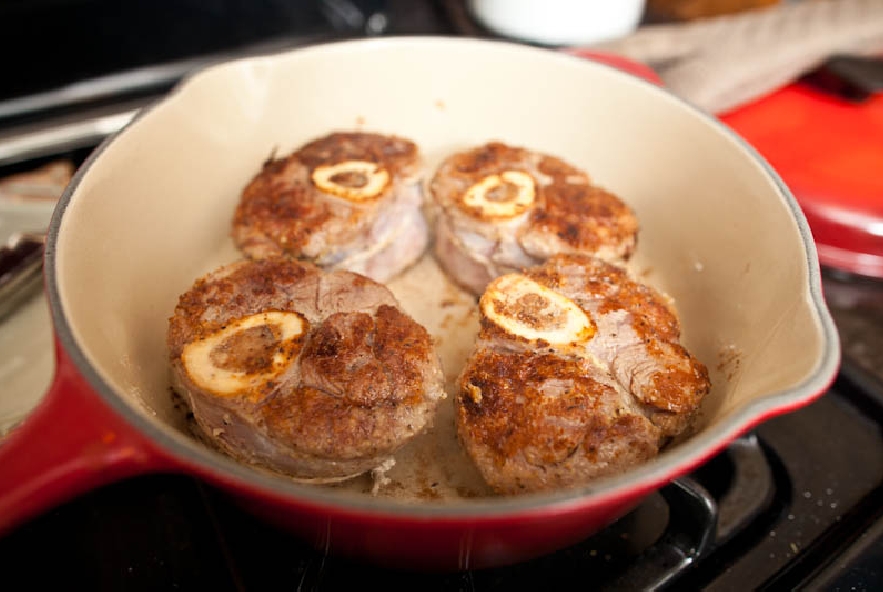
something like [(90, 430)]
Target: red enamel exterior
[(830, 154), (452, 544), (71, 443)]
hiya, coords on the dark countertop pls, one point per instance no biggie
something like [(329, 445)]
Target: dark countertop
[(58, 42), (857, 306)]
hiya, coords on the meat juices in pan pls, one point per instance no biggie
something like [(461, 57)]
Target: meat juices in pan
[(319, 375), (577, 373), (502, 208), (348, 201)]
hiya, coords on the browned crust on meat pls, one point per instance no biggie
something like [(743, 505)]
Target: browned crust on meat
[(536, 421), (402, 346), (585, 218), (368, 360), (362, 377), (314, 423), (280, 209), (559, 170), (679, 388), (277, 220), (397, 155), (495, 417), (339, 361), (489, 159)]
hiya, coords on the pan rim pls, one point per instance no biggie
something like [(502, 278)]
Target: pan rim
[(645, 478)]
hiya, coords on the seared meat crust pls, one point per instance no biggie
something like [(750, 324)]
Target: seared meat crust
[(533, 421)]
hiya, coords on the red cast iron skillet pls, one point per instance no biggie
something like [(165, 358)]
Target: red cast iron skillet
[(86, 432)]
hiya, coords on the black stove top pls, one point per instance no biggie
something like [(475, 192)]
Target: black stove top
[(797, 503), (67, 41)]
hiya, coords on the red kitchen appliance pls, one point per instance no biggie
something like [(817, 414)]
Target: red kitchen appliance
[(824, 136)]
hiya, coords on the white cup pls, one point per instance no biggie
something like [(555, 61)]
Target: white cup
[(559, 22)]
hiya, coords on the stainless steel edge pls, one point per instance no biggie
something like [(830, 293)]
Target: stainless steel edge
[(157, 79), (21, 144)]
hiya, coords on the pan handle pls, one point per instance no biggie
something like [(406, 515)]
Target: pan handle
[(71, 443)]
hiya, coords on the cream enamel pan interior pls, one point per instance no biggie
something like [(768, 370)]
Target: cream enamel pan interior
[(151, 211)]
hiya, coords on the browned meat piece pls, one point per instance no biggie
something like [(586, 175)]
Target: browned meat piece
[(348, 201), (534, 421), (577, 373), (315, 374), (502, 208)]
